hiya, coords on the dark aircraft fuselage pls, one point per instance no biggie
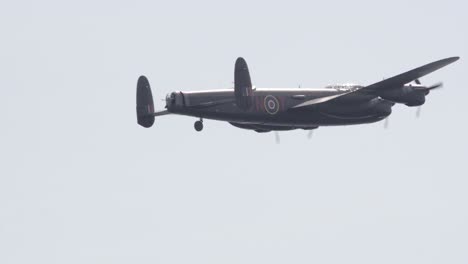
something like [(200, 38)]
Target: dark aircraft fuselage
[(266, 109), (274, 107)]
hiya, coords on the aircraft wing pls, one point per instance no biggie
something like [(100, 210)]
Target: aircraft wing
[(409, 76), (393, 82), (323, 99)]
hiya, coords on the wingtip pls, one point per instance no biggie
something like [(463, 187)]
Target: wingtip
[(447, 61), (454, 59)]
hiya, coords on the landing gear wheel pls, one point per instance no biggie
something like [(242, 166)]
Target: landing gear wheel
[(198, 126)]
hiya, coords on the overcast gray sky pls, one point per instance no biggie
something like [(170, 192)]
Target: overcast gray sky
[(80, 182)]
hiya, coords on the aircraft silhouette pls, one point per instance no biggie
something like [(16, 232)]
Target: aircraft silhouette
[(281, 109)]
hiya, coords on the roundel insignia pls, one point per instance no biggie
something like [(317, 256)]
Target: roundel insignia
[(271, 104)]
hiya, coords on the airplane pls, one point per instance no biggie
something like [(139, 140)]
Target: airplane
[(281, 109)]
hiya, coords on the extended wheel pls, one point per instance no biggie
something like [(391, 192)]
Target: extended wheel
[(198, 126)]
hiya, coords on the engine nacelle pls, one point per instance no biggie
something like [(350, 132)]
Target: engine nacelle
[(407, 95)]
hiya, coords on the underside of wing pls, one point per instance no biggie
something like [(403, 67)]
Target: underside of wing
[(319, 100), (409, 76)]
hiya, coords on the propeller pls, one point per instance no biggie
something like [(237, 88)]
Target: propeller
[(386, 122), (435, 86), (418, 112), (432, 87), (310, 134), (277, 137), (427, 89)]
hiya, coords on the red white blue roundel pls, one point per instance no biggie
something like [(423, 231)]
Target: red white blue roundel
[(271, 104)]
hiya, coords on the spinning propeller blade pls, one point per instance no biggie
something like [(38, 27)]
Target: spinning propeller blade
[(435, 86), (277, 137), (418, 112), (427, 89), (386, 122)]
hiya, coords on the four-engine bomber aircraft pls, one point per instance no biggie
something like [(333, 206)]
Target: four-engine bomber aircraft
[(266, 109)]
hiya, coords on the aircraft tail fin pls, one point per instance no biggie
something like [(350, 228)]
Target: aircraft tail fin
[(145, 105), (242, 85)]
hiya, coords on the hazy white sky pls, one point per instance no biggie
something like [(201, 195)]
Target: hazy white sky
[(80, 182)]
